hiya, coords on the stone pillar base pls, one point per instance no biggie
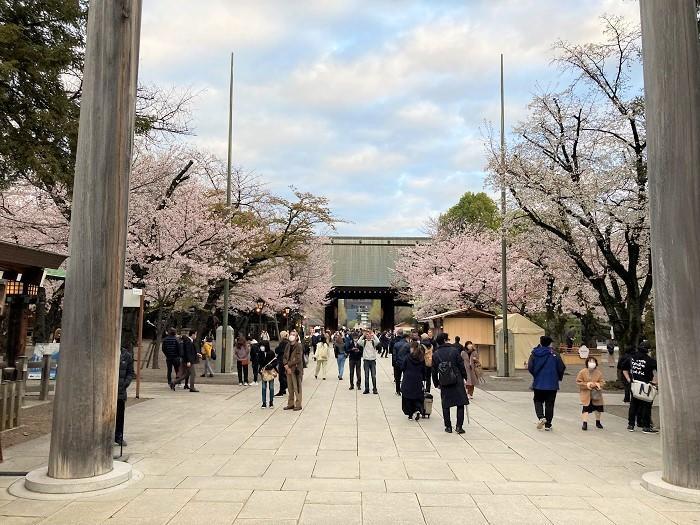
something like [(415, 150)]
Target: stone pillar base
[(653, 482), (38, 485)]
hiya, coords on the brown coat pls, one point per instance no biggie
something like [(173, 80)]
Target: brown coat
[(293, 356), (586, 376)]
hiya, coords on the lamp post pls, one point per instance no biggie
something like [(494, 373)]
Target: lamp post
[(287, 311), (259, 305)]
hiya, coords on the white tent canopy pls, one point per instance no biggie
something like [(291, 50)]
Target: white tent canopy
[(526, 335)]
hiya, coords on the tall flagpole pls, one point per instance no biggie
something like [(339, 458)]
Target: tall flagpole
[(224, 330), (504, 266)]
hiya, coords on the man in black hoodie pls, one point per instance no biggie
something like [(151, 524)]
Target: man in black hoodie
[(126, 375), (171, 348)]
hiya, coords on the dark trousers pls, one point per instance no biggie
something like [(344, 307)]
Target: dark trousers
[(282, 375), (119, 428), (370, 368), (397, 379), (173, 363), (188, 375), (242, 372), (355, 369), (428, 377), (256, 371), (546, 398), (639, 413), (460, 416)]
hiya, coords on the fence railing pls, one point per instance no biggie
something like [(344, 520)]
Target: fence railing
[(11, 394)]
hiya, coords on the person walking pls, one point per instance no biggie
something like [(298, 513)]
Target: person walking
[(126, 375), (610, 347), (294, 367), (355, 357), (171, 348), (207, 348), (640, 367), (268, 372), (413, 368), (190, 359), (369, 343), (242, 351), (449, 376), (590, 382), (471, 362), (547, 369), (384, 344), (321, 356), (340, 355), (282, 374), (428, 360), (458, 345), (400, 352)]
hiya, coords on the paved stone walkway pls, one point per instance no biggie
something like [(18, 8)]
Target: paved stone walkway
[(217, 458)]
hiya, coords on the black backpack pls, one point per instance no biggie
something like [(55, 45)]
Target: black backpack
[(447, 375)]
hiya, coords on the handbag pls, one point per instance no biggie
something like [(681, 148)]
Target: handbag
[(269, 375), (213, 354), (644, 391)]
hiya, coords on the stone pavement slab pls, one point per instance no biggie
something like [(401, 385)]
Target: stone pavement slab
[(356, 459)]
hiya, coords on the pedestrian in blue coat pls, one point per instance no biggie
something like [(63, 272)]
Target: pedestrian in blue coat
[(547, 369)]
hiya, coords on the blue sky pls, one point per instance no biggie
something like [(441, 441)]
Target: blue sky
[(380, 105)]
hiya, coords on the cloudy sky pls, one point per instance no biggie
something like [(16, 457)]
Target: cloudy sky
[(379, 105)]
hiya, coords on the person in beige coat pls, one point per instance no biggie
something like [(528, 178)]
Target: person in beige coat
[(294, 367), (321, 355), (590, 382)]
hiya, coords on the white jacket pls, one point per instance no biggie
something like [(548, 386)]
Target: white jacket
[(369, 348)]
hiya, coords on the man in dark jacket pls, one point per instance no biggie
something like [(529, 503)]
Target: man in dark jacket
[(401, 350), (171, 349), (354, 353), (190, 358), (640, 367), (126, 375), (547, 369), (282, 374), (447, 362)]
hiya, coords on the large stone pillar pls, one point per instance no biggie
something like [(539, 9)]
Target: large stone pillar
[(86, 391), (672, 84)]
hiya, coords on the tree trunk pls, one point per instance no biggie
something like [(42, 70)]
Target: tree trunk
[(42, 332), (155, 365), (672, 82), (86, 391)]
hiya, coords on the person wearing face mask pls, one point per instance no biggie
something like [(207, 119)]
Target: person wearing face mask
[(590, 382), (294, 367), (471, 362)]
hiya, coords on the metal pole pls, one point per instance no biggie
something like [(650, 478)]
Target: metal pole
[(224, 328), (504, 248), (139, 344)]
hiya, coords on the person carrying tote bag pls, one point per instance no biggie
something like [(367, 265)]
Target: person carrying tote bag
[(640, 371)]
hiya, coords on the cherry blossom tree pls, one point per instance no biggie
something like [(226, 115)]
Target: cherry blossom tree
[(578, 172)]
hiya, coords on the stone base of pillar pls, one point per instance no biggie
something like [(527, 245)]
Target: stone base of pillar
[(38, 485), (653, 482)]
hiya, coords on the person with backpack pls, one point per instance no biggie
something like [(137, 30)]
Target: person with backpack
[(340, 355), (413, 368), (400, 352), (369, 343), (449, 375), (640, 372), (126, 375), (321, 356), (428, 360), (354, 353), (207, 356), (547, 370)]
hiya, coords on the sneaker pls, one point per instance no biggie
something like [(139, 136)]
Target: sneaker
[(650, 430), (246, 384), (548, 429), (271, 406), (280, 394), (375, 391), (366, 392), (193, 390), (460, 430), (186, 387), (448, 430), (351, 388), (203, 375), (584, 426), (263, 405), (599, 425), (255, 383), (398, 393), (172, 386), (541, 423), (630, 428), (416, 416), (296, 409)]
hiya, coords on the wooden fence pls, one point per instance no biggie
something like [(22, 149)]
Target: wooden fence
[(11, 394)]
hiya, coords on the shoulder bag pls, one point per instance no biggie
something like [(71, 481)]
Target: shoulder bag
[(644, 391)]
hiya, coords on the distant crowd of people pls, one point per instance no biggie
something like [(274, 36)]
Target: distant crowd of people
[(419, 362)]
